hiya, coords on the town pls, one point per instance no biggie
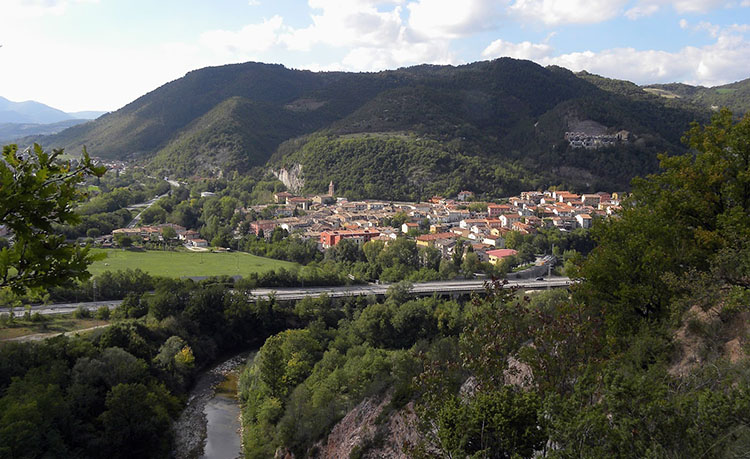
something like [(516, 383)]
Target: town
[(441, 223)]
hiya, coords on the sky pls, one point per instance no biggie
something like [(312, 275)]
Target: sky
[(102, 54)]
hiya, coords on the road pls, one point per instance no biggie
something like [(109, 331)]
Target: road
[(63, 308), (145, 206), (425, 288), (297, 293)]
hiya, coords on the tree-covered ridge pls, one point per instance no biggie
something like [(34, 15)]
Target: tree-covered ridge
[(217, 120), (734, 96), (401, 168)]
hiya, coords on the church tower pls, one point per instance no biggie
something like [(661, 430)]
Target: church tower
[(330, 189)]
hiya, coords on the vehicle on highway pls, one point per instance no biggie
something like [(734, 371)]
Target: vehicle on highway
[(539, 278)]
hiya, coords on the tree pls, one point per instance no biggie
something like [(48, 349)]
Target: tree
[(123, 240), (676, 221), (169, 234), (38, 191)]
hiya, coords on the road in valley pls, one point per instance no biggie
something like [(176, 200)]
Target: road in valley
[(297, 293), (423, 288)]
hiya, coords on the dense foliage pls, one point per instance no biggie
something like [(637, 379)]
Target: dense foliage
[(37, 191), (116, 393)]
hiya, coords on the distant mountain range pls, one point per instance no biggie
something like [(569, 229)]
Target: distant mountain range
[(494, 127), (30, 118)]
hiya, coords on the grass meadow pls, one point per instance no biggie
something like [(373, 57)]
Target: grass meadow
[(186, 264)]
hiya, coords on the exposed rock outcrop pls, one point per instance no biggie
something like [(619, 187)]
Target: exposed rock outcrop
[(292, 178), (365, 430)]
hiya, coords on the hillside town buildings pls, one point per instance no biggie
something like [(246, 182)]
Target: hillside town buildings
[(440, 223)]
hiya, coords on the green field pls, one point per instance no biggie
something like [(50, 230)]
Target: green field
[(186, 264)]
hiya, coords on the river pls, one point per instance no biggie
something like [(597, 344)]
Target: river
[(209, 427)]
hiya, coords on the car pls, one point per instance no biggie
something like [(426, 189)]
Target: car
[(539, 278)]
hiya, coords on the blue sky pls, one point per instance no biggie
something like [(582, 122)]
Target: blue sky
[(102, 54)]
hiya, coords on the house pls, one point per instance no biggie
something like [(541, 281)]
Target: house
[(301, 202), (469, 222), (465, 195), (584, 220), (445, 246), (481, 251), (523, 228), (563, 210), (206, 194), (188, 235), (409, 226), (331, 238), (564, 196), (494, 241), (499, 231), (534, 221), (437, 228), (497, 255), (280, 197), (427, 240), (478, 227), (591, 199), (323, 199), (495, 210), (199, 243), (508, 219), (266, 226)]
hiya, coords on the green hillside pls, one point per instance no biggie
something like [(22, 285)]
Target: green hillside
[(499, 121), (734, 96)]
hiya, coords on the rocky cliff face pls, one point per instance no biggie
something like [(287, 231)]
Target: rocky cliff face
[(367, 434), (291, 177)]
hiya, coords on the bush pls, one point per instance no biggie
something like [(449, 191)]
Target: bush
[(102, 313), (82, 313)]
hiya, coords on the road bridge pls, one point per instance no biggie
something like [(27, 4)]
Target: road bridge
[(454, 287)]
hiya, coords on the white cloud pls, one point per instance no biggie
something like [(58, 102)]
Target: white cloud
[(250, 39), (724, 61), (253, 3), (450, 18), (640, 11), (683, 24), (553, 12), (523, 50), (649, 7), (345, 24), (696, 6), (13, 10), (382, 58)]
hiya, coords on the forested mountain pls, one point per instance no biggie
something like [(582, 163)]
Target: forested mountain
[(735, 96), (11, 131), (494, 126)]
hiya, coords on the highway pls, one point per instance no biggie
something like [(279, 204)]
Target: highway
[(297, 293), (63, 308), (423, 289)]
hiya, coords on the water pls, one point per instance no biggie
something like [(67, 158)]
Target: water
[(223, 421), (209, 427)]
